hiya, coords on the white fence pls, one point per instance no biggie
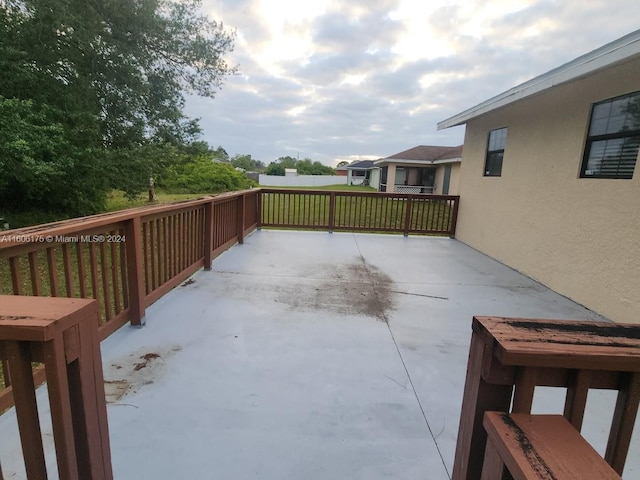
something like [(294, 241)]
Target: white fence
[(301, 180)]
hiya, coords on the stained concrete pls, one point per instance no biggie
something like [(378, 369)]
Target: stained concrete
[(307, 355)]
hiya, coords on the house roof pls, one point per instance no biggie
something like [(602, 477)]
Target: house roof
[(361, 165), (618, 51), (425, 154)]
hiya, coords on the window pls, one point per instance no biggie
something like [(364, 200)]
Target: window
[(495, 152), (614, 137)]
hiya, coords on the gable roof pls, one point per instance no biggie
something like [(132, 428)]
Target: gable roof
[(360, 165), (427, 153), (618, 51)]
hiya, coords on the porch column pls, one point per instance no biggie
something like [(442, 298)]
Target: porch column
[(391, 178)]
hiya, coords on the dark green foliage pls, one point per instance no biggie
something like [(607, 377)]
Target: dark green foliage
[(92, 94), (247, 163), (275, 169), (304, 167), (203, 175), (307, 167), (40, 165)]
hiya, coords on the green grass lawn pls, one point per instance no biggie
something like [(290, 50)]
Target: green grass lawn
[(116, 199), (359, 213)]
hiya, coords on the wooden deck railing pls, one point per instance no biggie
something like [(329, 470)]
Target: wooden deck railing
[(127, 260), (360, 211)]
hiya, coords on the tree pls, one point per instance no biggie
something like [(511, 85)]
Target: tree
[(220, 154), (307, 167), (304, 167), (247, 163), (40, 165), (111, 77), (343, 163), (203, 176), (275, 169)]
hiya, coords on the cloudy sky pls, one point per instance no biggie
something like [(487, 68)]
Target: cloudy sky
[(338, 80)]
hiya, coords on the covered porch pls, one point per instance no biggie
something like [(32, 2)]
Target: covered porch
[(311, 355), (403, 178)]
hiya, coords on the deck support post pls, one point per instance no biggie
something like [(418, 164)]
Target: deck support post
[(133, 233)]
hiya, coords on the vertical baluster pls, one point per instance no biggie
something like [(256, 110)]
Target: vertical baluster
[(152, 254), (68, 269), (52, 267), (167, 250), (146, 256), (114, 273), (122, 247), (105, 280), (16, 275), (82, 281), (93, 261), (34, 270)]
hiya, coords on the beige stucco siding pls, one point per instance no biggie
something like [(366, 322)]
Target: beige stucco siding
[(580, 237), (454, 180)]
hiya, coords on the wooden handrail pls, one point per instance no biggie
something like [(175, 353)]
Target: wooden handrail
[(126, 260)]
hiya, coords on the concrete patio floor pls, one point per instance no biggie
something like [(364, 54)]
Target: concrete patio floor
[(308, 355)]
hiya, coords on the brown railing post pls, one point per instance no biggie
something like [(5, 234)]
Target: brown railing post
[(208, 235), (241, 212), (63, 334), (407, 215), (19, 356), (259, 209), (332, 211), (454, 217), (135, 277)]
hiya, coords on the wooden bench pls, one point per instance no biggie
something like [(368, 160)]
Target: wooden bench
[(541, 447)]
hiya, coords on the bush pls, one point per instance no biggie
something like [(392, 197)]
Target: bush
[(203, 176)]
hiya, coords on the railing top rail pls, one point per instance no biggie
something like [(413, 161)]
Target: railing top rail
[(18, 236), (346, 193)]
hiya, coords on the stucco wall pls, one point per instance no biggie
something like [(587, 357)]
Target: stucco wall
[(374, 181), (454, 180), (580, 237)]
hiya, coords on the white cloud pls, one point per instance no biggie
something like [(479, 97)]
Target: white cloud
[(336, 79)]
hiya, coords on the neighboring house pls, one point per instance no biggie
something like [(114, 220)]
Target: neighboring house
[(422, 169), (363, 172), (290, 172), (342, 171), (550, 183)]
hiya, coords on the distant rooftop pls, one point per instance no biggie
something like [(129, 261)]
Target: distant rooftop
[(425, 154), (360, 165)]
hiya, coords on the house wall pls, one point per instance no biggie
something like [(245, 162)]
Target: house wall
[(579, 236), (454, 180), (391, 177), (374, 181)]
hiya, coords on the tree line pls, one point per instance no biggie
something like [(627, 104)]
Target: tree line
[(92, 97), (305, 166)]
